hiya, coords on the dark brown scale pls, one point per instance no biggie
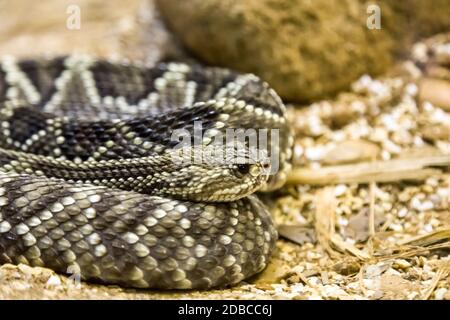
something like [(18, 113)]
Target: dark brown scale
[(12, 245), (167, 223), (62, 217), (108, 262), (159, 231), (178, 232), (68, 226), (108, 76), (218, 250), (42, 76), (208, 82), (210, 262), (25, 122), (205, 240), (193, 215), (170, 242), (3, 87), (161, 252), (80, 247)]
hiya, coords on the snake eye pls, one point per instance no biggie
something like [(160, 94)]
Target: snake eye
[(251, 169), (243, 168)]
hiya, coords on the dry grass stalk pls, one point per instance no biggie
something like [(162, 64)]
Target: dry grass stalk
[(361, 281), (405, 252), (440, 274), (346, 247), (373, 186), (326, 203), (428, 239)]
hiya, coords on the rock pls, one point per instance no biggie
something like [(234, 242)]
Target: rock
[(435, 91), (347, 266), (53, 281), (297, 234), (358, 225), (394, 287), (107, 29), (305, 49), (447, 295), (351, 151), (436, 132)]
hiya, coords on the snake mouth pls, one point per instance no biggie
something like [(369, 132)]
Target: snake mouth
[(228, 195)]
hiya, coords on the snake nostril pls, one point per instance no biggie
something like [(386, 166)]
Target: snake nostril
[(266, 167)]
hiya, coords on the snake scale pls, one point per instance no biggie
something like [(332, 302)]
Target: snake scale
[(87, 182)]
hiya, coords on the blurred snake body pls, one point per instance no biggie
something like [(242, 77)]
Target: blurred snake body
[(88, 185)]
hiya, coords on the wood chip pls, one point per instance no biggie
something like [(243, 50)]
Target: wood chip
[(378, 171), (435, 91), (297, 234), (351, 151)]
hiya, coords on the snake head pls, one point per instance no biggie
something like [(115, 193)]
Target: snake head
[(213, 174), (236, 181)]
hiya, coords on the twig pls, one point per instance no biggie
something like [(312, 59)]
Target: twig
[(417, 168), (415, 251), (325, 203), (438, 276), (373, 186), (429, 238)]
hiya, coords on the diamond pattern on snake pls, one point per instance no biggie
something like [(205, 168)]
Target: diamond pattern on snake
[(88, 180)]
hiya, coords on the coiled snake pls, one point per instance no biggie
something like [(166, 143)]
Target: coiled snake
[(87, 181)]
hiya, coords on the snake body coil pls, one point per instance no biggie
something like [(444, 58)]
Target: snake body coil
[(88, 182)]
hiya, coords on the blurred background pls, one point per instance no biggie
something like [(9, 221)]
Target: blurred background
[(307, 50), (366, 212)]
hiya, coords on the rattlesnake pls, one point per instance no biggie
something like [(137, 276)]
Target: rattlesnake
[(87, 182)]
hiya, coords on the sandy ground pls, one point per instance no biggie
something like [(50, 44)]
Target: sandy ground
[(366, 210)]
